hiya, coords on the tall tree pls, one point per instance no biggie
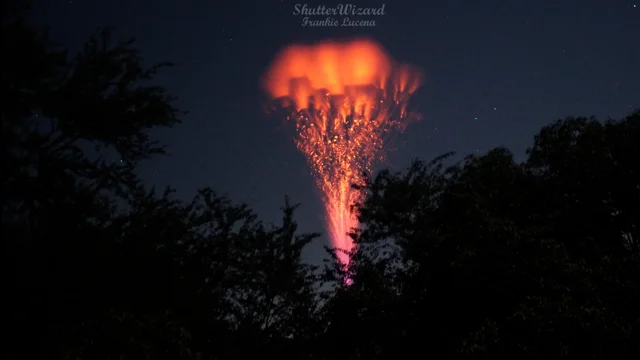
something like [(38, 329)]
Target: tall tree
[(60, 118), (491, 256)]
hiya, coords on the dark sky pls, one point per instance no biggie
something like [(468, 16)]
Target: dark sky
[(497, 70)]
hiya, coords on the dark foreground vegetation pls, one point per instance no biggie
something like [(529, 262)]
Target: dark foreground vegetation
[(485, 258)]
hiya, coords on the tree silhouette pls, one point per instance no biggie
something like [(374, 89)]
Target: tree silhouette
[(103, 267), (490, 256)]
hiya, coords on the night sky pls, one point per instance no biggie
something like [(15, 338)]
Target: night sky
[(496, 71)]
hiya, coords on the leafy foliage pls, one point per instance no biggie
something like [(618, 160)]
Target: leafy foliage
[(490, 256)]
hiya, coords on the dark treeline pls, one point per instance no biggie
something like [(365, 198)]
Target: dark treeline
[(479, 259)]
